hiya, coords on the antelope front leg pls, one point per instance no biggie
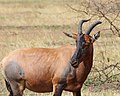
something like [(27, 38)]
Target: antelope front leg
[(57, 89), (77, 93)]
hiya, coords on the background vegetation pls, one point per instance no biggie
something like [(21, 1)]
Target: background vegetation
[(40, 23)]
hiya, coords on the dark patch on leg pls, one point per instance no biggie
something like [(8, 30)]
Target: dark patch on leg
[(58, 90), (17, 91), (9, 87), (77, 93)]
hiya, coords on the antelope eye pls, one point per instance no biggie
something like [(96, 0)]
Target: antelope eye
[(85, 44)]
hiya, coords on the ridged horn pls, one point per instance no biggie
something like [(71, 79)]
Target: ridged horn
[(92, 26), (80, 26)]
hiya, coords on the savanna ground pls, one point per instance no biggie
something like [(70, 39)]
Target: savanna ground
[(40, 23)]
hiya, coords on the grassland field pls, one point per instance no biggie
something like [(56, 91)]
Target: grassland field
[(41, 23)]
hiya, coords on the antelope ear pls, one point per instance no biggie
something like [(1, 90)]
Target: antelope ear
[(96, 36), (72, 35)]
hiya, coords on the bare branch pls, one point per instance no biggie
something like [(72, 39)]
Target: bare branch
[(76, 10), (116, 16)]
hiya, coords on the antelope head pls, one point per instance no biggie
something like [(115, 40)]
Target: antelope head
[(83, 42)]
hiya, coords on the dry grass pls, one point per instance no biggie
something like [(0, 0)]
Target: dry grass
[(38, 23)]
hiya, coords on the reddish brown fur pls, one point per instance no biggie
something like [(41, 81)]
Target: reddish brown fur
[(43, 67)]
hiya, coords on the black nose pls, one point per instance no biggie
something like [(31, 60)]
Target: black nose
[(74, 63)]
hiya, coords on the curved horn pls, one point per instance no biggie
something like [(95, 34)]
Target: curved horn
[(92, 26), (80, 26)]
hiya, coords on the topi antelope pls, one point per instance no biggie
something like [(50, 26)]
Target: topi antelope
[(51, 69)]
